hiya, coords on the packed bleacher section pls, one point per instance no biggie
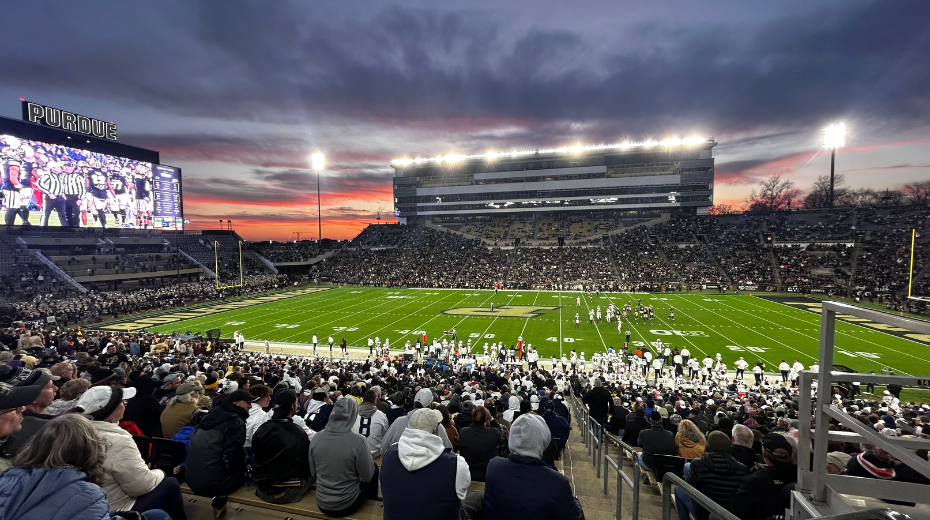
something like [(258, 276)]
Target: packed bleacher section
[(187, 417), (850, 251), (96, 305)]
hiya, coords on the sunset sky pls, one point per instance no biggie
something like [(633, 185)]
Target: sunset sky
[(239, 94)]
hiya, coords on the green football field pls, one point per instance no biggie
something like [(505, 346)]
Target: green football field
[(707, 323)]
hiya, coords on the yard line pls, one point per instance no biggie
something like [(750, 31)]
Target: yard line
[(528, 319), (817, 338), (685, 337), (272, 308), (773, 340), (723, 335), (422, 327), (595, 324), (495, 319), (344, 317)]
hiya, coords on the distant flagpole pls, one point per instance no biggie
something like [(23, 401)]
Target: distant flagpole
[(910, 273)]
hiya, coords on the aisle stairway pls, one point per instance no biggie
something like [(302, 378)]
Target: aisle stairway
[(589, 489)]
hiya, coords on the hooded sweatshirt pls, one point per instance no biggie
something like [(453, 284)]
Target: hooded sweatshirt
[(372, 424), (339, 458), (417, 449), (522, 485), (419, 461), (513, 405), (689, 447), (425, 398)]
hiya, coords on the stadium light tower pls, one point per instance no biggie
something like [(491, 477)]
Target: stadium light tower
[(834, 136), (316, 162)]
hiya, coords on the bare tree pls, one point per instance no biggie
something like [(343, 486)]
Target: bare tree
[(858, 197), (819, 196), (917, 192), (889, 197), (722, 209), (775, 194)]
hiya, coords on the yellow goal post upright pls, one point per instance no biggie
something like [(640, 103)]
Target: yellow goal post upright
[(910, 271), (216, 254)]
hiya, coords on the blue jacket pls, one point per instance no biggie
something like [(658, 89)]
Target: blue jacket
[(57, 494), (525, 487), (558, 427), (184, 436)]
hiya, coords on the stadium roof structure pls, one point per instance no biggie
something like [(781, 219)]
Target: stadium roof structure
[(626, 145)]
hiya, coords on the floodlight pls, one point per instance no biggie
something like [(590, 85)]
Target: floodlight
[(834, 136), (316, 161)]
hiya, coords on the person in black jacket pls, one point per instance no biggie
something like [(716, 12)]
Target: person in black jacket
[(760, 494), (617, 423), (655, 441), (742, 446), (281, 472), (636, 422), (716, 474), (143, 409), (216, 461), (558, 426), (481, 442), (464, 419), (600, 403)]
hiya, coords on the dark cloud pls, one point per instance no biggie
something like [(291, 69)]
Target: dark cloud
[(279, 61)]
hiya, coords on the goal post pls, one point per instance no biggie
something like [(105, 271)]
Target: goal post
[(216, 254)]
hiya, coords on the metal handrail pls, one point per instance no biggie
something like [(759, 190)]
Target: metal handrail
[(622, 478), (720, 512), (716, 510), (598, 442)]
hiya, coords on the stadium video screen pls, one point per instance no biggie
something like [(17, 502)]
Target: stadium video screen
[(52, 185)]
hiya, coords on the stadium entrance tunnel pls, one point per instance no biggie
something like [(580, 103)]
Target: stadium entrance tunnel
[(504, 311)]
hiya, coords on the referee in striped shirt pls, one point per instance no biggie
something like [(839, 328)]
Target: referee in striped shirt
[(50, 186), (73, 188)]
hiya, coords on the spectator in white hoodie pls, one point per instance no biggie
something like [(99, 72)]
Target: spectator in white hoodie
[(420, 461)]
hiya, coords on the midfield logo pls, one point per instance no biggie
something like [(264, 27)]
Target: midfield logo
[(504, 311)]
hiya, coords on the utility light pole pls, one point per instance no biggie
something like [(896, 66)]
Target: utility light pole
[(834, 136), (316, 162)]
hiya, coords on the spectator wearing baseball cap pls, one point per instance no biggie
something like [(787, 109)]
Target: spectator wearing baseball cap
[(760, 494), (128, 483), (34, 416), (420, 461), (422, 399), (13, 401), (558, 426), (654, 441), (281, 471), (180, 407), (217, 461)]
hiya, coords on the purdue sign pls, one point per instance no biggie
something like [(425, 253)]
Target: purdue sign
[(55, 118)]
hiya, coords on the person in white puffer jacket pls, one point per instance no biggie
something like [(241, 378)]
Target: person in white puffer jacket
[(127, 482)]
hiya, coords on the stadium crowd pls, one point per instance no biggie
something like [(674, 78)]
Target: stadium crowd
[(94, 305), (430, 423)]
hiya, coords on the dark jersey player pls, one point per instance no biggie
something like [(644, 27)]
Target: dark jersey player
[(98, 191)]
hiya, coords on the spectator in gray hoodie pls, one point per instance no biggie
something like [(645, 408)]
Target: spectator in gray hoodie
[(422, 400), (341, 464)]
